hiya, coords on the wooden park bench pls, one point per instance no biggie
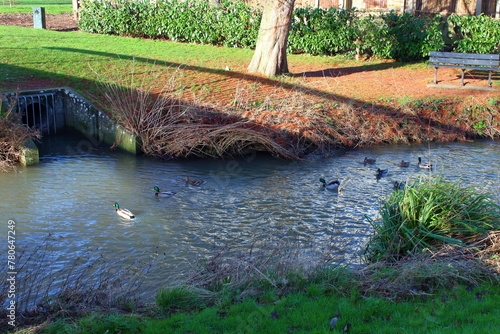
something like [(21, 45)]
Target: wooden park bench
[(465, 61)]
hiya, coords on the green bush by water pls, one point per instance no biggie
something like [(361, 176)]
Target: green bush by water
[(430, 213)]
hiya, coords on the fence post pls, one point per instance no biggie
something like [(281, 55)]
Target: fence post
[(39, 17)]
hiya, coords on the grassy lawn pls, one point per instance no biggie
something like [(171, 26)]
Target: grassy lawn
[(26, 6), (458, 310), (73, 58)]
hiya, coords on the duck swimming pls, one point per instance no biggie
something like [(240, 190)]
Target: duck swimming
[(424, 165), (381, 172), (399, 185), (163, 193), (404, 163), (369, 161), (333, 185), (193, 182), (124, 213)]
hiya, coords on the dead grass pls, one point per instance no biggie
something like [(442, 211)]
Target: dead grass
[(13, 135), (82, 286), (426, 272), (281, 267), (289, 121), (171, 128), (266, 264)]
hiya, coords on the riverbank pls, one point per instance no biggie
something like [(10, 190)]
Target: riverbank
[(442, 292), (325, 103)]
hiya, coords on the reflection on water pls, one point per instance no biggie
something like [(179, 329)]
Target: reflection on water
[(71, 195)]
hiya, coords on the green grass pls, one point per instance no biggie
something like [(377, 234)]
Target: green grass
[(459, 310), (72, 57), (24, 6)]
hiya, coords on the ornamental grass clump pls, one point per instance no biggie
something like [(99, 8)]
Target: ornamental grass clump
[(430, 214), (171, 128)]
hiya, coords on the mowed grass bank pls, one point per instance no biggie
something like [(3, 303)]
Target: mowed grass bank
[(69, 58), (460, 309), (293, 115)]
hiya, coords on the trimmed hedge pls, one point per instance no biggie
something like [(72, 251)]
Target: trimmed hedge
[(231, 24), (316, 31)]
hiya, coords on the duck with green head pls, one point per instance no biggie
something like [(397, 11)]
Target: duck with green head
[(332, 185), (163, 193), (124, 213), (399, 185), (424, 165), (381, 173)]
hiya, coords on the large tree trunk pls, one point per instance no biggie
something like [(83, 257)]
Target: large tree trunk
[(270, 51)]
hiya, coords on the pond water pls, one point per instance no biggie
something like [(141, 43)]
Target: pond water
[(68, 199)]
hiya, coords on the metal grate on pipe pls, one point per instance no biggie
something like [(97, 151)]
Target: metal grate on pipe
[(37, 110)]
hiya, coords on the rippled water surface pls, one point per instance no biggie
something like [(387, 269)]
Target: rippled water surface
[(71, 194)]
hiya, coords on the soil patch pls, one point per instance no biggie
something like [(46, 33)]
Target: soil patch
[(62, 22)]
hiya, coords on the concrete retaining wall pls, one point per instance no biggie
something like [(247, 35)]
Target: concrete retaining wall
[(70, 110)]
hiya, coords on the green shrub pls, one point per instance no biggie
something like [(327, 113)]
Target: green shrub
[(322, 32), (476, 34), (428, 214), (399, 36), (231, 24)]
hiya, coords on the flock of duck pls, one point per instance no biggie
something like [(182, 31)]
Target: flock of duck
[(332, 185), (128, 215), (335, 184)]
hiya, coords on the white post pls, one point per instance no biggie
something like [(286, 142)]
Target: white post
[(497, 10), (76, 7)]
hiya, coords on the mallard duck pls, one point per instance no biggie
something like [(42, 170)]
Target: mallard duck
[(382, 172), (124, 213), (399, 185), (193, 182), (333, 185), (425, 165), (404, 163), (369, 161), (163, 193)]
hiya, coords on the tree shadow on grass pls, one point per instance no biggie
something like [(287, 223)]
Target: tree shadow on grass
[(383, 114), (337, 72)]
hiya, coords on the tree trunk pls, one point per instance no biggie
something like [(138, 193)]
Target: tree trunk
[(269, 57)]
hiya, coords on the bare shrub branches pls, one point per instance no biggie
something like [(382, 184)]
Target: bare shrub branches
[(13, 135), (83, 285), (169, 127)]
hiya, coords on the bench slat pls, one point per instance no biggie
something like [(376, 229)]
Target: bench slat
[(456, 61), (497, 69), (487, 56)]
